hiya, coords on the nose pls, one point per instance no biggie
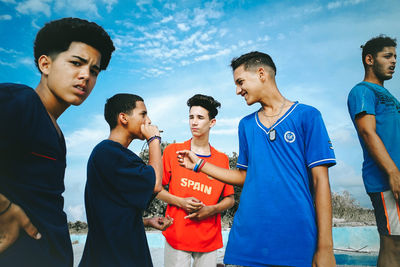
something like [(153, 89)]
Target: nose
[(84, 73), (238, 90), (148, 121)]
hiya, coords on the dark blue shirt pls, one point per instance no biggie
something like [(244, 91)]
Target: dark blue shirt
[(118, 188), (32, 167)]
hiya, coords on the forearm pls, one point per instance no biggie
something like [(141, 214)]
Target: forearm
[(378, 152), (224, 204), (167, 197), (155, 161), (232, 177), (323, 207)]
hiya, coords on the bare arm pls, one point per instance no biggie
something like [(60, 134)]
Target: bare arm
[(366, 127), (12, 219), (188, 159), (323, 208), (155, 159), (207, 211)]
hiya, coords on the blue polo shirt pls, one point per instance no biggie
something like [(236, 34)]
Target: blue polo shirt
[(118, 189), (32, 167), (376, 100), (275, 223)]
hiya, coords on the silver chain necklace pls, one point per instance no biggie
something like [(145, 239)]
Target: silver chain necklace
[(279, 113)]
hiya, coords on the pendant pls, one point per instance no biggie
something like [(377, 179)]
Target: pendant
[(272, 135)]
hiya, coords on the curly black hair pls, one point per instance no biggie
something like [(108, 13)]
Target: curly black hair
[(207, 102), (56, 36)]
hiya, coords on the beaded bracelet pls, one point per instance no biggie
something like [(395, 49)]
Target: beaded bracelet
[(154, 137), (8, 207)]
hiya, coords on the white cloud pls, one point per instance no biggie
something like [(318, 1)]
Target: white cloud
[(110, 4), (5, 17), (166, 19), (27, 61), (76, 213), (34, 6), (12, 65), (9, 51), (81, 141), (338, 4), (183, 27), (71, 6), (342, 133), (210, 56), (170, 6), (210, 11)]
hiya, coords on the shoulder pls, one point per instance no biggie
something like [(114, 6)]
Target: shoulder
[(307, 110), (362, 88), (248, 119), (218, 153), (17, 92)]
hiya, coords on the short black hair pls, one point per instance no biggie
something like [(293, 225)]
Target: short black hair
[(56, 36), (119, 103), (375, 45), (253, 59), (207, 102)]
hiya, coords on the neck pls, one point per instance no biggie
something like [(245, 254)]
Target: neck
[(54, 106), (200, 145), (371, 78), (120, 136)]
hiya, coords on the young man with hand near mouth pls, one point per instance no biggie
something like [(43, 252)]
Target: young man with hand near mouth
[(120, 186), (69, 53), (375, 113)]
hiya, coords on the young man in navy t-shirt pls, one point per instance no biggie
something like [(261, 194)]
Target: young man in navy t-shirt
[(285, 215), (69, 53), (120, 186), (375, 113)]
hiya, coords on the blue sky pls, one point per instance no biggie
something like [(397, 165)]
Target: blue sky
[(166, 51)]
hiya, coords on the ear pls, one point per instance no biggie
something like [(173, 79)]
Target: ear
[(44, 64), (261, 73), (212, 122), (369, 60), (122, 119)]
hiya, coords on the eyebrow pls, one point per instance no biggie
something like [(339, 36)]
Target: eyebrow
[(84, 60)]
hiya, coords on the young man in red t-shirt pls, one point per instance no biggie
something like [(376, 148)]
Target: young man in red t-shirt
[(193, 196)]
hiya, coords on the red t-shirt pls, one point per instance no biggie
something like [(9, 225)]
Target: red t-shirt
[(188, 234)]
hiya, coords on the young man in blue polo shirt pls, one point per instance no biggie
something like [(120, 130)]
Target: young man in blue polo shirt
[(284, 216), (69, 53), (375, 113)]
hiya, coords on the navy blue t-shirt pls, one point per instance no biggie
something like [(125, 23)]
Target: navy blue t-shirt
[(32, 167), (118, 188)]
